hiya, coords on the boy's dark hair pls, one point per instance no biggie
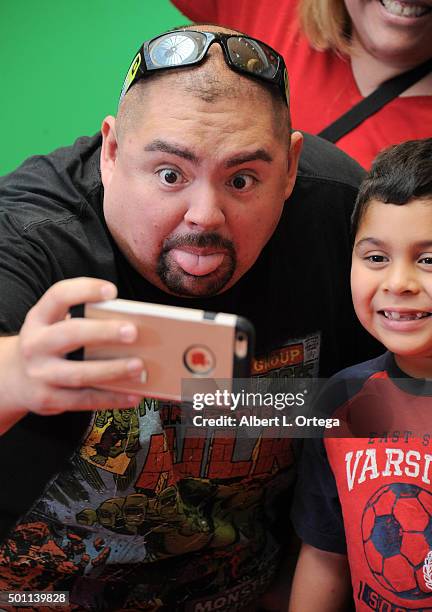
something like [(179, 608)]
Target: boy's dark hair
[(398, 175)]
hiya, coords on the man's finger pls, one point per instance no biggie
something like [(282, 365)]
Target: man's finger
[(70, 334), (82, 374), (55, 303)]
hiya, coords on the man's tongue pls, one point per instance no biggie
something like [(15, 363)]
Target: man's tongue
[(198, 265)]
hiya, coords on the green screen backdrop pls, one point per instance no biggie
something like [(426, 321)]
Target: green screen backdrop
[(62, 65)]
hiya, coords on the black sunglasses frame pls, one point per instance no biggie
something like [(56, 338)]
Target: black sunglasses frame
[(142, 63)]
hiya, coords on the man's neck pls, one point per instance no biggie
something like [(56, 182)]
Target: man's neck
[(370, 72)]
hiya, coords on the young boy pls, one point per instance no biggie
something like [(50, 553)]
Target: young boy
[(364, 504)]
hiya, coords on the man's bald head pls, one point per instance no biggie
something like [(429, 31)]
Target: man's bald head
[(209, 81)]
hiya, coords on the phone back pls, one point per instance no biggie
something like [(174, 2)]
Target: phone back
[(176, 344)]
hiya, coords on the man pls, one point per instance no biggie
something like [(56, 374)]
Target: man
[(182, 203)]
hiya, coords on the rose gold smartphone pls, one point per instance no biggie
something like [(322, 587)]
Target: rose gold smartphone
[(175, 344)]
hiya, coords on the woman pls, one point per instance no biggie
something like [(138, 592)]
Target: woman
[(338, 52)]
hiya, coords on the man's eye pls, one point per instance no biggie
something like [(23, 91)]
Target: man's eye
[(169, 176), (242, 182)]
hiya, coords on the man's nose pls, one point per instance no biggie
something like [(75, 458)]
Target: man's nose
[(205, 209), (401, 278)]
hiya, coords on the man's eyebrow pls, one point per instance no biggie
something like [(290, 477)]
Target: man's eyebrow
[(237, 160), (243, 158), (166, 147)]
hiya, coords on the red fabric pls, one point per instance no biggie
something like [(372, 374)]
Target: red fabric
[(322, 84), (384, 488)]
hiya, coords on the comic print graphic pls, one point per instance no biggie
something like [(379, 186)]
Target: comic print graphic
[(299, 358), (113, 441), (149, 518)]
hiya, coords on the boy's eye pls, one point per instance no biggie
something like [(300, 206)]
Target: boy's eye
[(242, 182), (169, 176), (376, 258), (426, 260)]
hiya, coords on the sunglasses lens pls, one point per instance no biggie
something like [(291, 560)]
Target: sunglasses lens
[(177, 49), (253, 57)]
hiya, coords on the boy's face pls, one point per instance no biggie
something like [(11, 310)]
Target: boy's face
[(391, 279)]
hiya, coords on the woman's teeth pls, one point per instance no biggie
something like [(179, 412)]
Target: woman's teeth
[(402, 9)]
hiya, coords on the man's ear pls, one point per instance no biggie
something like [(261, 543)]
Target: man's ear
[(293, 160), (109, 149)]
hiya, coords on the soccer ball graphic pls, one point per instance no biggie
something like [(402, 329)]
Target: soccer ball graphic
[(397, 538)]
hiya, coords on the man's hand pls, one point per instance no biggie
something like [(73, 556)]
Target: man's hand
[(34, 373)]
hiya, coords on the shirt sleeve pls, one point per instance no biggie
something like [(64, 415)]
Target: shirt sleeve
[(25, 274), (47, 230), (316, 511)]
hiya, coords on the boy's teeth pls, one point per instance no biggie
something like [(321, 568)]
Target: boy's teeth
[(391, 315), (397, 316), (402, 9)]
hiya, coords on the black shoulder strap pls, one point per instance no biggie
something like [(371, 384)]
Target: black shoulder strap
[(377, 99)]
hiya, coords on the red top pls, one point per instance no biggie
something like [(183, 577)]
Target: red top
[(317, 76)]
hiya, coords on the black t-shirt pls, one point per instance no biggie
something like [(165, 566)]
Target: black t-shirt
[(297, 296)]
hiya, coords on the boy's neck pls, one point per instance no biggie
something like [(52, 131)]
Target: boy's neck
[(370, 72), (417, 367)]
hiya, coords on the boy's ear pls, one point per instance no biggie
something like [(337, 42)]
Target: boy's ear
[(109, 149), (293, 160)]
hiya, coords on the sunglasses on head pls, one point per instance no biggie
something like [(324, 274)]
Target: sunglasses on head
[(188, 47)]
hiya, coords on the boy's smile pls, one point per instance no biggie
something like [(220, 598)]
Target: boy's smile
[(392, 280), (403, 320), (401, 315)]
